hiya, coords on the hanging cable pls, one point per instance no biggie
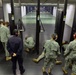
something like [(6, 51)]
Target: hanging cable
[(41, 26)]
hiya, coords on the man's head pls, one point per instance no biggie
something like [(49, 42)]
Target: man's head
[(15, 32), (54, 36), (26, 37), (74, 35), (6, 24)]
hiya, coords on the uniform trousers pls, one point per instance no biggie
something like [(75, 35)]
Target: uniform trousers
[(20, 63)]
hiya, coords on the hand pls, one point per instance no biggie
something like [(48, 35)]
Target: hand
[(18, 32), (22, 30), (14, 54)]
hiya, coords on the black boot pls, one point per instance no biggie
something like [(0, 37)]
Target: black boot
[(22, 72), (14, 72), (50, 74), (45, 73)]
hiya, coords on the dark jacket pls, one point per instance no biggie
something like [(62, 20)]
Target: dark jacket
[(14, 45)]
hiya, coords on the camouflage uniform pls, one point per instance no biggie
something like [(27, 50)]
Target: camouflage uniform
[(52, 50), (4, 35), (64, 48), (70, 54), (29, 43)]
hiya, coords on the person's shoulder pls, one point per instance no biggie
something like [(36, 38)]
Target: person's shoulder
[(56, 43), (30, 37), (19, 38), (71, 42), (11, 37), (6, 28), (2, 26), (47, 41)]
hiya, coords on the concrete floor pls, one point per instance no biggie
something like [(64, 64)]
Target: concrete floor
[(30, 67), (46, 18)]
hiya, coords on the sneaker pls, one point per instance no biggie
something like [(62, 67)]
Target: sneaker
[(45, 73), (50, 73)]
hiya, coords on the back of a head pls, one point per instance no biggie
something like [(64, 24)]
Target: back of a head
[(7, 23), (15, 32), (26, 37), (4, 23), (74, 35), (54, 36)]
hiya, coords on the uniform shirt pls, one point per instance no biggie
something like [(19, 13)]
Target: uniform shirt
[(4, 33), (52, 48), (46, 45), (71, 49), (14, 45), (29, 42)]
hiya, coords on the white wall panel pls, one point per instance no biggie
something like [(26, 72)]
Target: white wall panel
[(70, 15)]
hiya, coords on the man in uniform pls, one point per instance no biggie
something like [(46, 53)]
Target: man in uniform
[(36, 60), (0, 37), (4, 35), (70, 56), (29, 44), (15, 48), (52, 50)]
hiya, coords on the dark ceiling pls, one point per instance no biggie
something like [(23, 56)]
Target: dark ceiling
[(41, 1)]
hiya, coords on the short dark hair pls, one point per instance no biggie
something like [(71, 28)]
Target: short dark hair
[(54, 36)]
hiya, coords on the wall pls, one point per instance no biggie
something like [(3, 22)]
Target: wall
[(7, 10), (23, 11), (17, 13), (32, 8), (54, 11), (69, 22), (1, 13), (70, 15)]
